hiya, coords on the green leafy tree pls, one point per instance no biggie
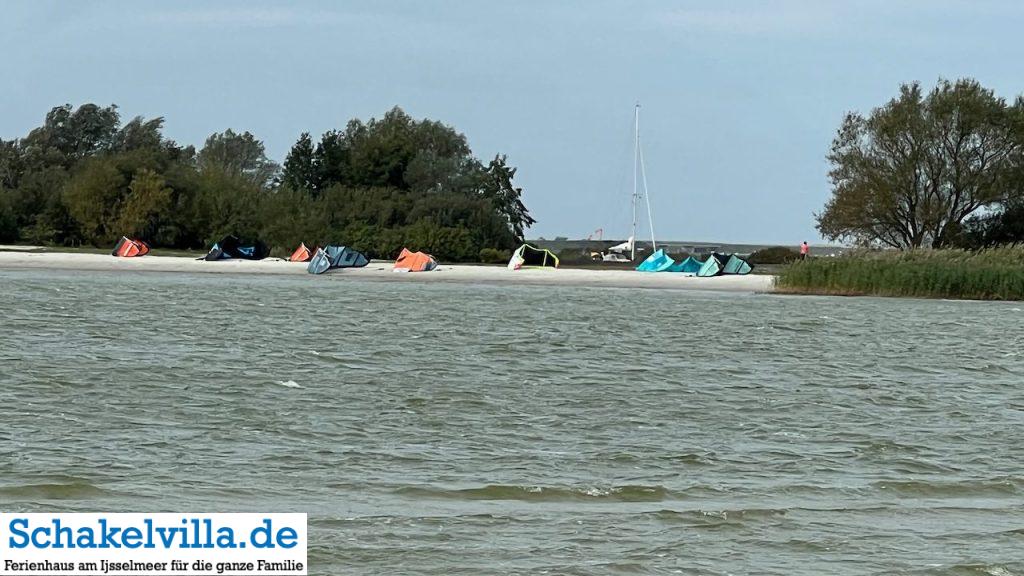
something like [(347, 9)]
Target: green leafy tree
[(289, 217), (93, 198), (331, 160), (379, 185), (10, 164), (910, 173), (1004, 226), (225, 203), (508, 198), (300, 171), (69, 135), (239, 154), (380, 150), (149, 199), (8, 222), (40, 212), (139, 134)]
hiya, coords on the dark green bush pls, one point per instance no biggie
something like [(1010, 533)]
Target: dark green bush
[(86, 178), (774, 255), (575, 256), (494, 256)]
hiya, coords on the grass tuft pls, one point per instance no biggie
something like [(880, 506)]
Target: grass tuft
[(994, 274)]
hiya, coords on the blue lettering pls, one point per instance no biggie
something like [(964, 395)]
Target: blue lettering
[(149, 533), (86, 537), (62, 531), (167, 535), (35, 537), (16, 533), (226, 537), (264, 531), (109, 532), (286, 537), (131, 537)]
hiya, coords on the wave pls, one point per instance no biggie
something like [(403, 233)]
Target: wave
[(53, 491), (969, 570), (717, 516), (629, 493), (705, 459), (952, 489)]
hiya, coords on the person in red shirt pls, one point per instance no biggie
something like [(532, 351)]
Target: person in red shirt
[(804, 250)]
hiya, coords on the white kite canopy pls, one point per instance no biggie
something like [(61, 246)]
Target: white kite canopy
[(626, 246)]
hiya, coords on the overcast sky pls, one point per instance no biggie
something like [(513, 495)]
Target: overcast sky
[(740, 99)]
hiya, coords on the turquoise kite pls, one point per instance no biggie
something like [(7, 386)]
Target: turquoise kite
[(736, 265), (719, 264), (689, 266), (716, 265), (657, 262)]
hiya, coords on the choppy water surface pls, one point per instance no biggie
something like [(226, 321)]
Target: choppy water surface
[(452, 429)]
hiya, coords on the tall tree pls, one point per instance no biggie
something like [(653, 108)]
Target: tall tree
[(331, 160), (300, 167), (140, 134), (508, 198), (69, 135), (380, 184), (93, 198), (238, 154), (10, 163), (912, 171), (149, 199)]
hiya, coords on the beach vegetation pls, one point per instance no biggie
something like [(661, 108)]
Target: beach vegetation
[(84, 178), (494, 256), (999, 227), (773, 255), (574, 256), (989, 274)]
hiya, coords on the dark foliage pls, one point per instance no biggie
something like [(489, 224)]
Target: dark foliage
[(773, 255), (84, 178), (912, 172)]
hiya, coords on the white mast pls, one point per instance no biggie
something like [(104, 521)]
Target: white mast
[(647, 200), (639, 176), (636, 163)]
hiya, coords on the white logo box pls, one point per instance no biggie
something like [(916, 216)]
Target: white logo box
[(76, 544)]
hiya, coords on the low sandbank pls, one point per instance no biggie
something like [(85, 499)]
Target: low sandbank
[(382, 271)]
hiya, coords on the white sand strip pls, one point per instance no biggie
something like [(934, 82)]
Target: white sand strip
[(18, 247), (382, 271)]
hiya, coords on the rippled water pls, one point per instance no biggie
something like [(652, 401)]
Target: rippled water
[(452, 429)]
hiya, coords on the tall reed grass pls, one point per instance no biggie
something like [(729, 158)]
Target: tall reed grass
[(995, 274)]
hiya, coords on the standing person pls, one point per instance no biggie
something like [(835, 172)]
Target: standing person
[(804, 250)]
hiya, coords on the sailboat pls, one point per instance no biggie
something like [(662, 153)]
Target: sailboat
[(618, 252)]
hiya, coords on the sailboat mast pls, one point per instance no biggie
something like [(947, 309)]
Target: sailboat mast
[(647, 201), (636, 164)]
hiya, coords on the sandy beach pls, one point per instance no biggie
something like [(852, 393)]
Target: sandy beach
[(382, 271)]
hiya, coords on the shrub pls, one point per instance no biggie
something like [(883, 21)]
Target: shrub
[(494, 256), (575, 256), (774, 255)]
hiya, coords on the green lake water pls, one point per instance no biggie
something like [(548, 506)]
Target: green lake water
[(462, 429)]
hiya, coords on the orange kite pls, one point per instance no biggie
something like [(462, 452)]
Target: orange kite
[(414, 262), (301, 254), (130, 248)]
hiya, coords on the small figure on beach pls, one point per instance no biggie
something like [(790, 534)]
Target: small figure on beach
[(804, 250)]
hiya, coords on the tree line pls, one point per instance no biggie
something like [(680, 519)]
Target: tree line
[(86, 178), (943, 168)]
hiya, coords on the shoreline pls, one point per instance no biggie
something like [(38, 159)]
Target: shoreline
[(381, 270)]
